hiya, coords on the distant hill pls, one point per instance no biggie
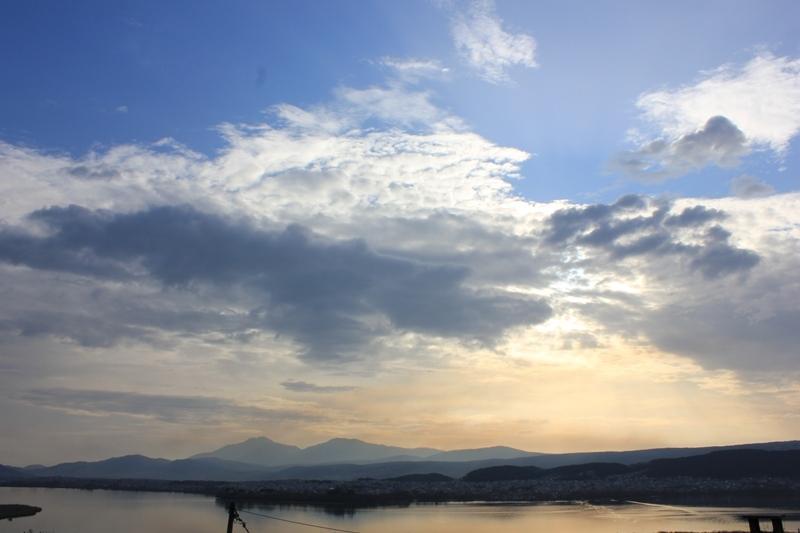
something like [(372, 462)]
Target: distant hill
[(10, 472), (380, 470), (729, 464), (258, 451), (422, 478), (265, 452), (504, 473), (568, 472), (141, 467), (345, 459), (457, 469), (479, 454), (354, 450), (726, 464), (268, 453), (632, 457), (586, 471)]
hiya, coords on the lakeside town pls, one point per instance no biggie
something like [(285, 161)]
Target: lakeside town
[(371, 492)]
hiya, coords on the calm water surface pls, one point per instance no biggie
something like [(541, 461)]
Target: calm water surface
[(78, 511)]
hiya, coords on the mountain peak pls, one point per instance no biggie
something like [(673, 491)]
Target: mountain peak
[(260, 439), (255, 450), (266, 452)]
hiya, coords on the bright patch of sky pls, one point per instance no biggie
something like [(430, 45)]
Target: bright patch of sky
[(102, 74), (201, 203)]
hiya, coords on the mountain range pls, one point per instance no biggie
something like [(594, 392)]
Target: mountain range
[(340, 459), (725, 464), (266, 452)]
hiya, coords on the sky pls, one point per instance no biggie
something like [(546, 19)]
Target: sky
[(558, 226)]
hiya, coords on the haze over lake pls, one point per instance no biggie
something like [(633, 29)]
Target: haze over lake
[(76, 511)]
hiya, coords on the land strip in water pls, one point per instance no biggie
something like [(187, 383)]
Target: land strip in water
[(370, 492)]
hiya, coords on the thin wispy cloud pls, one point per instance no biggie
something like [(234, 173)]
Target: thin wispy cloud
[(745, 186), (413, 70), (305, 386), (164, 407), (479, 36)]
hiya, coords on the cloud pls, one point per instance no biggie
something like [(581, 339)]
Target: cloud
[(762, 98), (412, 70), (121, 109), (715, 333), (341, 234), (638, 226), (167, 408), (332, 297), (730, 112), (84, 328), (314, 163), (304, 386), (377, 235), (397, 106), (719, 142), (479, 36), (745, 186)]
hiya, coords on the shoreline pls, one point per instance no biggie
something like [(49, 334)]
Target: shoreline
[(379, 493)]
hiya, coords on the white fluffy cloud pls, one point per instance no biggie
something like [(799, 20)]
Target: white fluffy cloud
[(762, 98), (723, 117), (479, 36)]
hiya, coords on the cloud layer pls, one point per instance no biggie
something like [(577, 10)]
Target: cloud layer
[(371, 245), (332, 297)]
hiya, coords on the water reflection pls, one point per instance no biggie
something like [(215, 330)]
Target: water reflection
[(70, 510)]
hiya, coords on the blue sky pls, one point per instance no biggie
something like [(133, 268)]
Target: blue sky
[(180, 68), (587, 211)]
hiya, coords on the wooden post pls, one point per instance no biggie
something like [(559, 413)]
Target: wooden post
[(231, 514), (777, 525), (755, 527)]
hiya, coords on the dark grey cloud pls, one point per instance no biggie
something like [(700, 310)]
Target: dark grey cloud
[(718, 258), (332, 297), (694, 216), (720, 142), (493, 256), (750, 187), (85, 329), (104, 321), (718, 335), (639, 226), (93, 172), (566, 223), (304, 386), (168, 408)]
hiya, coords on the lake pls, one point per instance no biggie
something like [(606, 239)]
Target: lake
[(100, 511)]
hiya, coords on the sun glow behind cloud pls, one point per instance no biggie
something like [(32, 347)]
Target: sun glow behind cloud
[(364, 267)]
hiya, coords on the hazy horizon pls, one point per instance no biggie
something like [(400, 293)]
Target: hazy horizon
[(554, 226), (388, 444)]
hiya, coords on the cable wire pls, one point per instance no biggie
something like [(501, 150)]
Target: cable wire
[(239, 519), (298, 523)]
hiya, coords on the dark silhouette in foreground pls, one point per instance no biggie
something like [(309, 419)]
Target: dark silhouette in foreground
[(9, 512)]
